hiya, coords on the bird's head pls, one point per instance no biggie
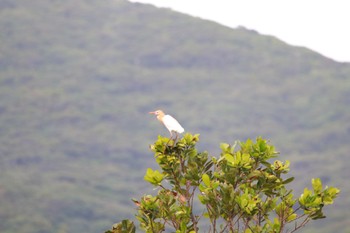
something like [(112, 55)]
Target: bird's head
[(157, 113)]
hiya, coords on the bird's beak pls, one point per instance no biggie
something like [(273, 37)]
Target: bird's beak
[(152, 112)]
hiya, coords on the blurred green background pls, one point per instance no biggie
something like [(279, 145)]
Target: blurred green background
[(78, 78)]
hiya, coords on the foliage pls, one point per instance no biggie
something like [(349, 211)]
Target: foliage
[(123, 226), (242, 191)]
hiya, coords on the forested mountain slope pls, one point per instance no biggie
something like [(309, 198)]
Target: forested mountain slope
[(78, 78)]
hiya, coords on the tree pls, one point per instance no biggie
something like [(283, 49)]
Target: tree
[(242, 191)]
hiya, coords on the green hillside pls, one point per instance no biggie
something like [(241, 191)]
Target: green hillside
[(78, 78)]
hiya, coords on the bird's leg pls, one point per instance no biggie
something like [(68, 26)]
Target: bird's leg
[(171, 136), (177, 135)]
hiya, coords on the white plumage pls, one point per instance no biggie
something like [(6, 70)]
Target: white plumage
[(172, 124), (169, 122)]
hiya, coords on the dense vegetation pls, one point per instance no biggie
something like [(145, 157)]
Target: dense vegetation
[(241, 191), (77, 79)]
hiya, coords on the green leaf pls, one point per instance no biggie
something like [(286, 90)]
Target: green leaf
[(215, 184), (291, 217), (154, 177), (333, 191), (224, 147), (206, 179), (329, 194), (123, 226), (229, 159), (206, 215), (317, 185), (202, 199), (303, 199), (287, 181)]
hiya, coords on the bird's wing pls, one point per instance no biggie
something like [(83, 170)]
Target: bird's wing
[(172, 124)]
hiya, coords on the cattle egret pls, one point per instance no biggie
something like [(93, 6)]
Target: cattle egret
[(170, 123)]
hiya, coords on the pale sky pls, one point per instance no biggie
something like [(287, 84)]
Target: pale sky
[(320, 25)]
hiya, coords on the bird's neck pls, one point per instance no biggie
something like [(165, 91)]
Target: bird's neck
[(160, 117)]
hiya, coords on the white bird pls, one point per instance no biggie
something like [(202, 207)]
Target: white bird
[(169, 122)]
